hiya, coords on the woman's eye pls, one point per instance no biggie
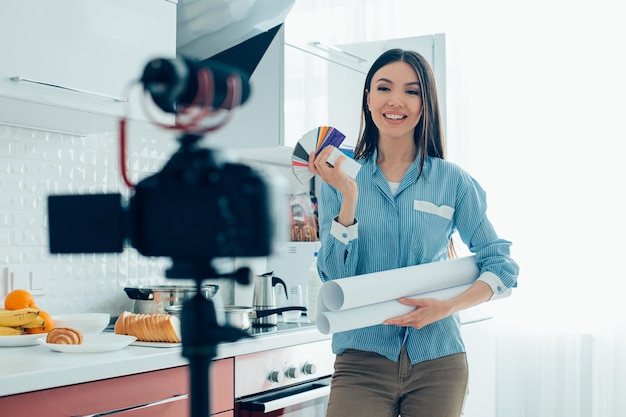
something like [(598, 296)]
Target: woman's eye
[(414, 92), (382, 88)]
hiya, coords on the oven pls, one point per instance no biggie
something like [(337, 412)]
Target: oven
[(292, 382)]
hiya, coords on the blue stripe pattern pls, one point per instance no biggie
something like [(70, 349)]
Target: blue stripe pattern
[(411, 228)]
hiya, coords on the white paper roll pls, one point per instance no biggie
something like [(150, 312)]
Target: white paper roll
[(366, 289), (369, 315)]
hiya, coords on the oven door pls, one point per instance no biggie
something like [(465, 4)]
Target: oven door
[(305, 400)]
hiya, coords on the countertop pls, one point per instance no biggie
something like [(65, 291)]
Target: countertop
[(32, 368)]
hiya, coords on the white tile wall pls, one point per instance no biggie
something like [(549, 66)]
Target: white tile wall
[(34, 164)]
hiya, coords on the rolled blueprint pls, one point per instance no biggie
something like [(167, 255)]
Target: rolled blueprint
[(377, 287), (355, 318)]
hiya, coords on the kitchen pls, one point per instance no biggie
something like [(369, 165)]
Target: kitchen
[(39, 160)]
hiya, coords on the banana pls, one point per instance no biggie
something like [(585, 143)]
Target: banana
[(15, 318), (9, 331), (37, 322)]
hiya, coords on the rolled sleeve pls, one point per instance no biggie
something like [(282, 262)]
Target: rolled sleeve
[(342, 233), (495, 283)]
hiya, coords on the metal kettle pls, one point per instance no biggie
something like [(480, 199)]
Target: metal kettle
[(264, 298)]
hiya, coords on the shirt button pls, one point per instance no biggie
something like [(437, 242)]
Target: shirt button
[(499, 288), (344, 235)]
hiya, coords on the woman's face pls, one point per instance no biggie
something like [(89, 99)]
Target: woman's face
[(395, 100)]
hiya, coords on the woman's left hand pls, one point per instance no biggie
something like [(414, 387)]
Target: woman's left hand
[(427, 311)]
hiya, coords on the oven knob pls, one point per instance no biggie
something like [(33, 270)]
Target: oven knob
[(292, 372), (275, 376), (309, 368)]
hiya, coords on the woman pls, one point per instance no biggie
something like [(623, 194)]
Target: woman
[(402, 210)]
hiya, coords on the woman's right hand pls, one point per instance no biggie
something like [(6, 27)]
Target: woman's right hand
[(332, 175)]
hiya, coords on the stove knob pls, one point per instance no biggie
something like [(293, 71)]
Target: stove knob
[(309, 368), (292, 372), (275, 376)]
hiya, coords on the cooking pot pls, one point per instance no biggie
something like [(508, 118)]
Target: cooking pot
[(241, 317), (155, 299)]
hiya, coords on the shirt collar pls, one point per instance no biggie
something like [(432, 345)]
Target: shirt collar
[(409, 177)]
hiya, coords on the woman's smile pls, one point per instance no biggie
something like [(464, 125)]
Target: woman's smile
[(394, 116)]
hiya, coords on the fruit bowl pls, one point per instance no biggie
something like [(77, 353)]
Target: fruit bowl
[(88, 323)]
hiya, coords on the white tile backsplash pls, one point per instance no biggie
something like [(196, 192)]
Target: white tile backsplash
[(34, 164)]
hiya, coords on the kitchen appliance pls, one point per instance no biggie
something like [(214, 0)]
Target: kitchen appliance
[(293, 381), (264, 298), (156, 299)]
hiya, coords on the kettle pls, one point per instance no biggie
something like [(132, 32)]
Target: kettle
[(264, 298)]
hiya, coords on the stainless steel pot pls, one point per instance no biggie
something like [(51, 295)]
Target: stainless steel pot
[(155, 299), (241, 317)]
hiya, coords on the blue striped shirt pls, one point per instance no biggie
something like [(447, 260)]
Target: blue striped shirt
[(412, 227)]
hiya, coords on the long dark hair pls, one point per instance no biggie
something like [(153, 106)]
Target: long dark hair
[(428, 136)]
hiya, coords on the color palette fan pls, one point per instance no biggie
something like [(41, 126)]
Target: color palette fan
[(313, 141)]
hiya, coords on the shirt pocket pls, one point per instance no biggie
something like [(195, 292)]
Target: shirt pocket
[(427, 207)]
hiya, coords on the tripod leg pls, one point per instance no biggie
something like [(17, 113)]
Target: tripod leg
[(198, 318)]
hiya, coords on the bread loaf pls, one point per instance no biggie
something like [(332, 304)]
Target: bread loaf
[(64, 336), (149, 327)]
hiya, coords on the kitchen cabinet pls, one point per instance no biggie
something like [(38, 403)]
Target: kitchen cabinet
[(67, 65), (163, 393), (324, 83)]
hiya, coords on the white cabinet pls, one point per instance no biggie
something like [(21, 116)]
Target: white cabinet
[(67, 65), (480, 343), (324, 83)]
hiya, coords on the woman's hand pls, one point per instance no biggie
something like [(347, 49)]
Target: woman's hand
[(427, 311), (332, 175)]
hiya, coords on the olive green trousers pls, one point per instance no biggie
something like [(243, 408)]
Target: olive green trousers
[(366, 384)]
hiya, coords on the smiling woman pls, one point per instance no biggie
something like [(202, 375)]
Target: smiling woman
[(400, 150)]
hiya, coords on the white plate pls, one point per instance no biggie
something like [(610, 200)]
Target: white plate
[(92, 343), (21, 340), (156, 344)]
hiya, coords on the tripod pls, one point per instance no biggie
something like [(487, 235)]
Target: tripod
[(201, 333)]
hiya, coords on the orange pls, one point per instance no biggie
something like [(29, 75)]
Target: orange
[(17, 299), (48, 324)]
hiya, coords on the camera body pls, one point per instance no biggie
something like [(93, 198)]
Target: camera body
[(198, 207)]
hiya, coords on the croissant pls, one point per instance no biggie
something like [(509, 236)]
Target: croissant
[(149, 327), (64, 336)]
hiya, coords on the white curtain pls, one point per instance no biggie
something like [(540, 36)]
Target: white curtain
[(535, 112), (561, 373)]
